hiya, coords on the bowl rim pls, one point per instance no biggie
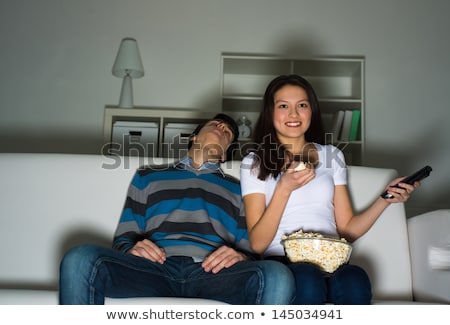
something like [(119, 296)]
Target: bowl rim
[(318, 238)]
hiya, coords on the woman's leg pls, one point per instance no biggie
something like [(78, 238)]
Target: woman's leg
[(349, 285), (310, 284)]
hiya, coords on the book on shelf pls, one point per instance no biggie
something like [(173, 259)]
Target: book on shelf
[(337, 124), (355, 125), (346, 125)]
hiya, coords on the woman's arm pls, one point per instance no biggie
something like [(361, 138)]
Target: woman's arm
[(351, 226), (262, 221)]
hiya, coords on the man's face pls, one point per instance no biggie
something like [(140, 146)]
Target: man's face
[(215, 136)]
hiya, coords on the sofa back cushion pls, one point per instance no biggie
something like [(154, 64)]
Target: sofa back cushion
[(51, 202)]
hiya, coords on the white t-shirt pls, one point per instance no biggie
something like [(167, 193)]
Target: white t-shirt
[(309, 207)]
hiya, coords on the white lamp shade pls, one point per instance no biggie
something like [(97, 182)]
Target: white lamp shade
[(128, 60)]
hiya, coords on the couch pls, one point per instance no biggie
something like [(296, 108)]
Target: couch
[(51, 202)]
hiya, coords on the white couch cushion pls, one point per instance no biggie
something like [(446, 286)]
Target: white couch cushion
[(427, 231), (53, 202), (50, 297)]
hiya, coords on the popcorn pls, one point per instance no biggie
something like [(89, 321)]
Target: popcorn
[(300, 166), (327, 253)]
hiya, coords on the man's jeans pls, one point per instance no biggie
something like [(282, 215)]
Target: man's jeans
[(90, 273)]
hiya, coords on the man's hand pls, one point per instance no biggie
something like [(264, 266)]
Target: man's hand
[(147, 249), (223, 257)]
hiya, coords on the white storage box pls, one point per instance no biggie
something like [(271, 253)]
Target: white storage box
[(176, 139), (131, 138)]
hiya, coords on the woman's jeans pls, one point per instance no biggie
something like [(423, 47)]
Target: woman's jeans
[(348, 285), (90, 273)]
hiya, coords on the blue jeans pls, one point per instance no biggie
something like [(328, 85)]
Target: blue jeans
[(90, 273), (348, 285)]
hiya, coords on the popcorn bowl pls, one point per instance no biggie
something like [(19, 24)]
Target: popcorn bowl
[(327, 253)]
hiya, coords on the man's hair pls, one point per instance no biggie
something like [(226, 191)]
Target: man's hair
[(228, 121)]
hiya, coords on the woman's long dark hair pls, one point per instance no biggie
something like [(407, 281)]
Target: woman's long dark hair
[(270, 153)]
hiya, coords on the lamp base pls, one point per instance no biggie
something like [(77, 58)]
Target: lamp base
[(126, 94)]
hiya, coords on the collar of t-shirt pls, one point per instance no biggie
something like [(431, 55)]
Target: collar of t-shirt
[(208, 165)]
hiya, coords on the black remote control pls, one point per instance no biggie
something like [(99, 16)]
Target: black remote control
[(416, 177)]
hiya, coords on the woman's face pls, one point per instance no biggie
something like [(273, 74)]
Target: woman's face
[(292, 113)]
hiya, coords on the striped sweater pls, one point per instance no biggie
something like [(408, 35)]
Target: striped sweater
[(186, 212)]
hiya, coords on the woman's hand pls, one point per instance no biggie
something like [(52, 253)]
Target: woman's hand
[(223, 257), (292, 179), (148, 249), (401, 193)]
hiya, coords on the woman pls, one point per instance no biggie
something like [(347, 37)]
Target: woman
[(279, 200)]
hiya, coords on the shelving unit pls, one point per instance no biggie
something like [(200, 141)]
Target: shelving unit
[(338, 82), (163, 118)]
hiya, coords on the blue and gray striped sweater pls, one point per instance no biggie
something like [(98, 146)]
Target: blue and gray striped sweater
[(185, 211)]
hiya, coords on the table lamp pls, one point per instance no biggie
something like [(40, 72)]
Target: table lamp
[(128, 65)]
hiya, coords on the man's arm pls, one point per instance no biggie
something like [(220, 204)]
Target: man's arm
[(128, 232)]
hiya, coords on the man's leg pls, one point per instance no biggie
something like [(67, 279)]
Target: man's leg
[(244, 283), (90, 273)]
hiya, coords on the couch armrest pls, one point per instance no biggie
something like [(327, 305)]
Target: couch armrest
[(426, 232)]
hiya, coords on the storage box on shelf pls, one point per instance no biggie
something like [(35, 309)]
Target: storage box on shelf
[(338, 81), (131, 138), (176, 139)]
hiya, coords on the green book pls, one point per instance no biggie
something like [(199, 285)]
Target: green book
[(355, 125)]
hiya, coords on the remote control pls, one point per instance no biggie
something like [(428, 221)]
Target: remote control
[(416, 177)]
